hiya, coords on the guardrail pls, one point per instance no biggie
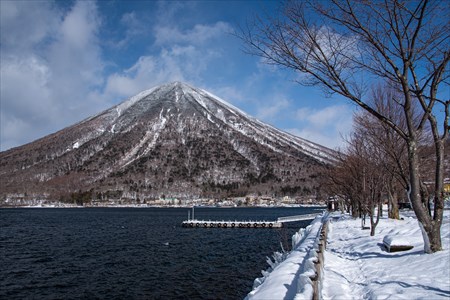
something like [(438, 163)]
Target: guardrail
[(318, 277), (296, 274), (311, 277)]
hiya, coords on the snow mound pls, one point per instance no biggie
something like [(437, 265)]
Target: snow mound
[(396, 243)]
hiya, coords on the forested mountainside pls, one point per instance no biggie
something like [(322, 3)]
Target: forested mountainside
[(173, 140)]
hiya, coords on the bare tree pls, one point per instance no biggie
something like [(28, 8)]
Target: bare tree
[(368, 160), (381, 157), (391, 147), (358, 176), (338, 181), (344, 46)]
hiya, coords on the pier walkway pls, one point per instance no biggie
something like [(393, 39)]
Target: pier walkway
[(194, 223), (231, 224), (298, 218)]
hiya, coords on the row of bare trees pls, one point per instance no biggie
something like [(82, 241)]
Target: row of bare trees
[(347, 46), (373, 168)]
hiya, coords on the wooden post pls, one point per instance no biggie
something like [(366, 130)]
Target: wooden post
[(316, 279)]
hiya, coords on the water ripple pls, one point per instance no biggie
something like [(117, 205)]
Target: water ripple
[(132, 253)]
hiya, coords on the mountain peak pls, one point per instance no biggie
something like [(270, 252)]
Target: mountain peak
[(173, 139), (178, 85)]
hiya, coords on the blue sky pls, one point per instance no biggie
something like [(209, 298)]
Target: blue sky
[(66, 60)]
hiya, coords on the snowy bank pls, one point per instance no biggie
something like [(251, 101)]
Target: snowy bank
[(359, 266), (289, 275)]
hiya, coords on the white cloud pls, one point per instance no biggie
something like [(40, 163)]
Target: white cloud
[(21, 80), (75, 56), (49, 67), (232, 94), (181, 55), (80, 26), (18, 32), (324, 126), (339, 50), (269, 110), (136, 28), (199, 34), (323, 117), (148, 71), (168, 12)]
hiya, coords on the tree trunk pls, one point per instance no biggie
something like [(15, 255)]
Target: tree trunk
[(389, 204), (430, 231), (435, 238), (432, 238), (374, 223), (393, 212), (355, 210)]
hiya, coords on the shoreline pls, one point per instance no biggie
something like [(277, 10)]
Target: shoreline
[(162, 206)]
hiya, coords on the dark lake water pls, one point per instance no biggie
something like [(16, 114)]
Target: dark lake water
[(134, 253)]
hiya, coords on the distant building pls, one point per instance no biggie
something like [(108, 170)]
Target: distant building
[(447, 185), (333, 203)]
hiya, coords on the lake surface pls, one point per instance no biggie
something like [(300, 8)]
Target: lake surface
[(134, 253)]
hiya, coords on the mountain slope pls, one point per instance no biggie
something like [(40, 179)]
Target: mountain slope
[(173, 139)]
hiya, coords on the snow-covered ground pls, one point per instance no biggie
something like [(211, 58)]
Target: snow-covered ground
[(357, 266)]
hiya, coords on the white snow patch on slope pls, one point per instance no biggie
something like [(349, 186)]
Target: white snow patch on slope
[(214, 107), (149, 141), (231, 107), (274, 135), (245, 152), (131, 101)]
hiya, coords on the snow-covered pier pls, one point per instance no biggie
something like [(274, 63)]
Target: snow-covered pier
[(194, 223), (231, 224), (297, 218)]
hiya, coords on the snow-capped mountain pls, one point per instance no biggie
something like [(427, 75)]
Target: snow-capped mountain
[(173, 140)]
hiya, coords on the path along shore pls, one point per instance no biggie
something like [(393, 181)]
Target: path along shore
[(356, 265)]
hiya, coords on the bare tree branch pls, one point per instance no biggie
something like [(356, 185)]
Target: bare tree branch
[(343, 46)]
